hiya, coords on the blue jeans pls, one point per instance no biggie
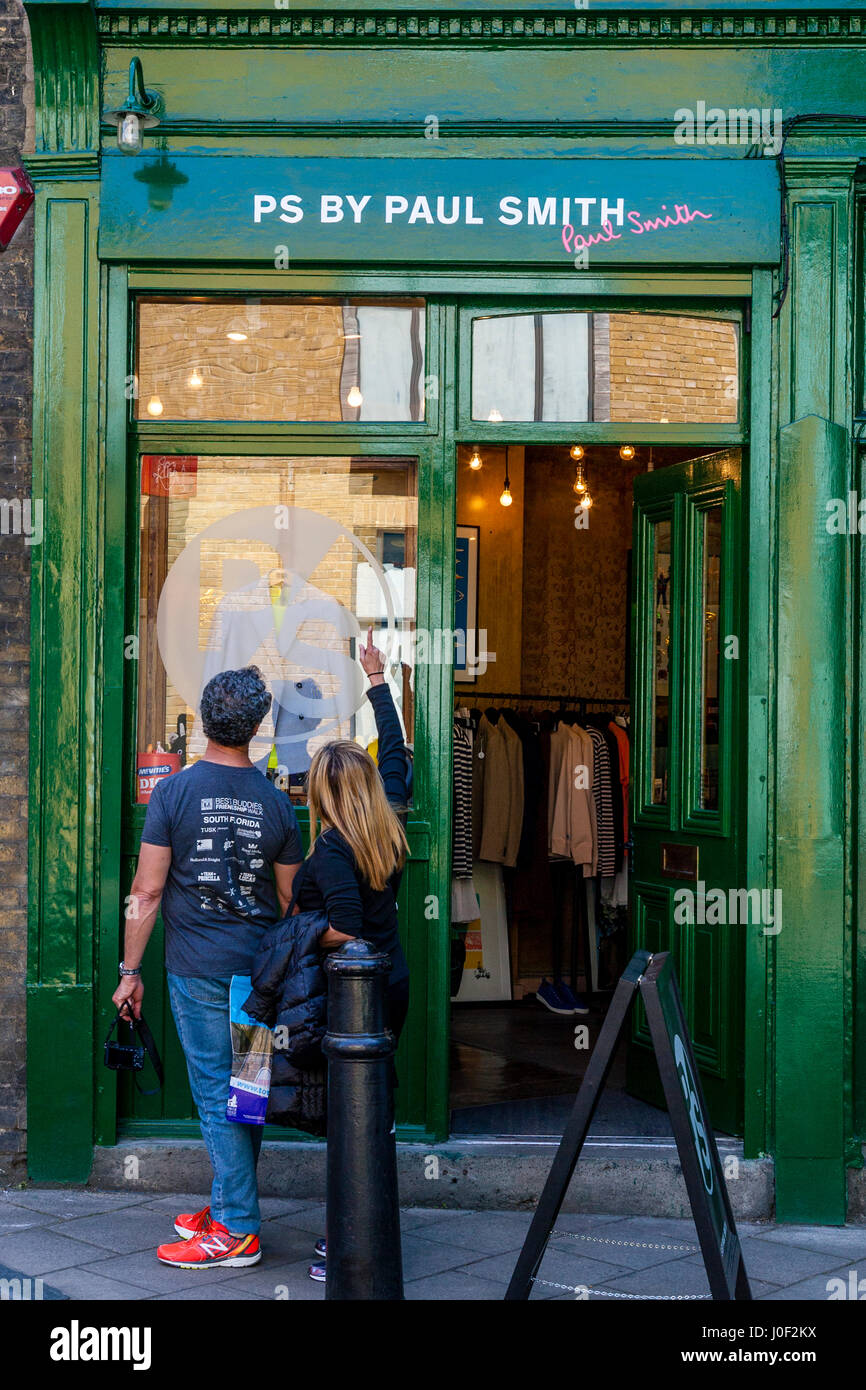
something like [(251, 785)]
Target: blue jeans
[(200, 1005)]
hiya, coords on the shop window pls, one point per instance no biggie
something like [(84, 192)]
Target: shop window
[(280, 359), (282, 563), (643, 368)]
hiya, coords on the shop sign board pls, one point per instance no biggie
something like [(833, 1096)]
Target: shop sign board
[(333, 211), (654, 978), (16, 197)]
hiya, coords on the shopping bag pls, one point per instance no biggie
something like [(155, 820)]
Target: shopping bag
[(252, 1053)]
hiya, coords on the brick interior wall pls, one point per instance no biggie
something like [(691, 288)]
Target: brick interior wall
[(16, 351), (674, 368)]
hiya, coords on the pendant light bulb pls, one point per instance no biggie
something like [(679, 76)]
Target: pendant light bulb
[(576, 452), (586, 501), (155, 406), (579, 484), (236, 337), (354, 398), (476, 460), (194, 381), (505, 498), (626, 453)]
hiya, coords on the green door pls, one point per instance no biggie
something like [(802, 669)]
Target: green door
[(685, 892)]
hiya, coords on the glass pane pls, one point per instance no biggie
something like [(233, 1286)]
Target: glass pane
[(531, 367), (661, 713), (281, 563), (711, 663), (660, 368), (271, 359)]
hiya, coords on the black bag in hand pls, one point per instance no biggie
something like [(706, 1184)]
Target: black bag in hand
[(130, 1056)]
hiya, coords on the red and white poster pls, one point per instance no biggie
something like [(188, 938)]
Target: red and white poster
[(16, 196)]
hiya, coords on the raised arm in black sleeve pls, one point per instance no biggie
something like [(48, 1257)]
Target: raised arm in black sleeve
[(393, 760)]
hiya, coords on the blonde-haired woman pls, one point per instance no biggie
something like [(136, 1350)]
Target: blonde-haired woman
[(357, 842)]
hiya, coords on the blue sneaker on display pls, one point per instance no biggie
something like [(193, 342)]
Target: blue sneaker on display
[(576, 1002), (548, 995)]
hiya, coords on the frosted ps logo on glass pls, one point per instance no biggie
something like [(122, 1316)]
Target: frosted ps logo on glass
[(305, 655)]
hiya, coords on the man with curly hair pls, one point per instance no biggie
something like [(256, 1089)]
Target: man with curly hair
[(219, 851)]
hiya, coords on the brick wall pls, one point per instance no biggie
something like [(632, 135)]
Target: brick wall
[(16, 349), (674, 368)]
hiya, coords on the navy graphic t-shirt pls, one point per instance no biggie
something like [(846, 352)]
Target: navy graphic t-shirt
[(225, 827)]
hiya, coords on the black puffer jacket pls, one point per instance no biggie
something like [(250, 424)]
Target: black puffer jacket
[(290, 993)]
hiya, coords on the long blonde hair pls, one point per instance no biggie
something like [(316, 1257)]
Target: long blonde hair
[(345, 792)]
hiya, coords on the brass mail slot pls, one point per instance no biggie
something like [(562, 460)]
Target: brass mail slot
[(680, 861)]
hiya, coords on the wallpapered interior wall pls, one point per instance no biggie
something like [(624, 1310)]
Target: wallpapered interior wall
[(574, 581)]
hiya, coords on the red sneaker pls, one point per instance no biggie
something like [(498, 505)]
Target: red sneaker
[(199, 1223), (216, 1246)]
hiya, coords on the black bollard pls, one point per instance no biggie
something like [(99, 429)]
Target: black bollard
[(364, 1256)]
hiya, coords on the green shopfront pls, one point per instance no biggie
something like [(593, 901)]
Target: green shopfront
[(267, 343)]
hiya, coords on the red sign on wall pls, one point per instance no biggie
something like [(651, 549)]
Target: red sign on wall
[(16, 196)]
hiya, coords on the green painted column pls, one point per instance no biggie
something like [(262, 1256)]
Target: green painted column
[(64, 773), (813, 951)]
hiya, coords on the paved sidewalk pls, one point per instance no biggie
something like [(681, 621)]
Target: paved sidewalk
[(100, 1245)]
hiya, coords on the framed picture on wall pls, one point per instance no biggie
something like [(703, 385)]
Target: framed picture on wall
[(466, 605)]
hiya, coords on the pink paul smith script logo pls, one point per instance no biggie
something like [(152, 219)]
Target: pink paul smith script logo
[(573, 240)]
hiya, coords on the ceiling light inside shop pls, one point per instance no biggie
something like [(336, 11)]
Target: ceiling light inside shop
[(495, 417), (576, 452), (155, 406), (505, 498), (627, 452), (476, 460), (354, 398), (194, 381), (236, 337)]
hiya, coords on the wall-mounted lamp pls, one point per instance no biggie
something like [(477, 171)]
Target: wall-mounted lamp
[(136, 113), (476, 460)]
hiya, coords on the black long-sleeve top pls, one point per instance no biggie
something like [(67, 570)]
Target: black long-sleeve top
[(332, 881)]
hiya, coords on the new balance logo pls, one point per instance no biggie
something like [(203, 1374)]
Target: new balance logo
[(214, 1245)]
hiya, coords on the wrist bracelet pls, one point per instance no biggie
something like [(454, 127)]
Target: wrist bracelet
[(125, 970), (376, 673)]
